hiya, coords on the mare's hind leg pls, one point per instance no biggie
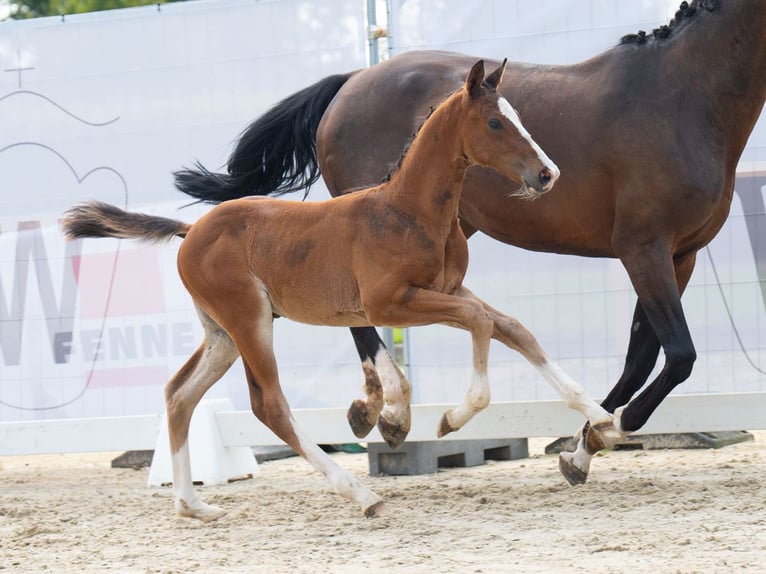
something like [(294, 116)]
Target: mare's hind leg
[(182, 393), (388, 391), (250, 325)]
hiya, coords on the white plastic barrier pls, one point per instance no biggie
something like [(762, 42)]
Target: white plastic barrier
[(685, 413)]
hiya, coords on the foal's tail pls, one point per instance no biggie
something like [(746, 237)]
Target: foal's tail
[(275, 154), (97, 219)]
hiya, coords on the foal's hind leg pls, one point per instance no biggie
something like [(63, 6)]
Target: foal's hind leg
[(514, 335), (388, 391), (182, 393), (271, 408), (250, 326), (605, 428)]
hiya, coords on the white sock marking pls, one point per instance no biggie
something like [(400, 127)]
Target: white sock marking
[(341, 480), (396, 389), (572, 393)]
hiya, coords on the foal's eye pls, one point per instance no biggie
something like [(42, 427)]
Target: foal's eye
[(494, 123)]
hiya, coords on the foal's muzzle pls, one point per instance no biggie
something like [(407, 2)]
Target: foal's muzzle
[(545, 177), (534, 184)]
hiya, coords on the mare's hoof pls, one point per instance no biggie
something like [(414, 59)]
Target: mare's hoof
[(444, 427), (358, 419), (393, 433), (573, 474), (377, 509)]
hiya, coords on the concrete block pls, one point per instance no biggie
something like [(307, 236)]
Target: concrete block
[(428, 456)]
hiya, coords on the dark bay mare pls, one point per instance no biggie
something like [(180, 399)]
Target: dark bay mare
[(647, 136), (249, 260)]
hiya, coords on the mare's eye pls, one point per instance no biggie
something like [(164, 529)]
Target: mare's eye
[(494, 123)]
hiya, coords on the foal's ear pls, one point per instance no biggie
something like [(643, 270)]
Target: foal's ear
[(495, 77), (475, 78)]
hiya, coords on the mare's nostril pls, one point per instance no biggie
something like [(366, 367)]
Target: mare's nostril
[(545, 176)]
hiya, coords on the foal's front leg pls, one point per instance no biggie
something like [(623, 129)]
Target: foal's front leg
[(413, 306)]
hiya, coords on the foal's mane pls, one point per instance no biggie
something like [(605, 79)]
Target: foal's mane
[(397, 166), (685, 12)]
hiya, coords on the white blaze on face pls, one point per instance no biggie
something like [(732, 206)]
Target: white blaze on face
[(507, 110)]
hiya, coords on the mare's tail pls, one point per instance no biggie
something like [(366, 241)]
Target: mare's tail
[(97, 219), (275, 154)]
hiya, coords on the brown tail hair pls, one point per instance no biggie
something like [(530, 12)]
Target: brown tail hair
[(98, 219)]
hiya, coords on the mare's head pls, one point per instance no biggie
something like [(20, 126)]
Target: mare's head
[(494, 136)]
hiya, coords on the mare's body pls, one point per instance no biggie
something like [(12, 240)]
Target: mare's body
[(647, 135)]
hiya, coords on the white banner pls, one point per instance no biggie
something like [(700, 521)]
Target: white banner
[(105, 106)]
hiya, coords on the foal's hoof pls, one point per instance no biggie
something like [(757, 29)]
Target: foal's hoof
[(377, 509), (393, 433), (444, 427), (201, 511), (573, 474), (601, 436), (358, 419)]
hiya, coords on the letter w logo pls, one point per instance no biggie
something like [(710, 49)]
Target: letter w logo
[(30, 247)]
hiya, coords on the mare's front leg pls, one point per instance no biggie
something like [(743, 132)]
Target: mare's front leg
[(182, 394), (643, 348), (388, 391), (658, 320)]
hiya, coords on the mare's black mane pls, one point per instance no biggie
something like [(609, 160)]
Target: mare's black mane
[(685, 12)]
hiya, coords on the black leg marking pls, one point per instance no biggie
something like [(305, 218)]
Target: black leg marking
[(367, 342)]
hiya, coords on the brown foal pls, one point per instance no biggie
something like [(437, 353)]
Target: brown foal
[(391, 255)]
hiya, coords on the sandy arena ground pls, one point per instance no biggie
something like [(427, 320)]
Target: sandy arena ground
[(641, 511)]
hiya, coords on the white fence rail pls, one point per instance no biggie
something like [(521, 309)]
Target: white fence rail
[(683, 413)]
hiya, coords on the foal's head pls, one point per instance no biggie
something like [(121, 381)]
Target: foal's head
[(494, 136)]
